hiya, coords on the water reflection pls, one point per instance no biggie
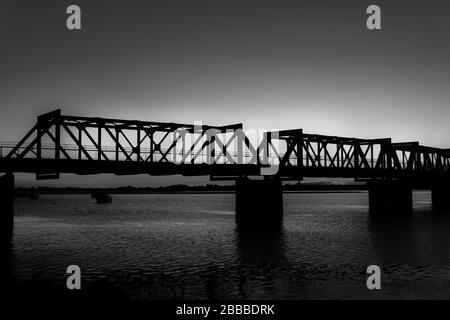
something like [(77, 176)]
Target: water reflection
[(391, 236), (261, 255), (6, 268), (412, 251), (170, 249)]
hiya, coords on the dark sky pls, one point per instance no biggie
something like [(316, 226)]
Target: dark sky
[(269, 64)]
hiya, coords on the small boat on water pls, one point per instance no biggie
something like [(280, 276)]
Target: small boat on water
[(101, 197)]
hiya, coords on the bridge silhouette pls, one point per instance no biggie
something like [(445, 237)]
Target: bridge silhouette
[(91, 145)]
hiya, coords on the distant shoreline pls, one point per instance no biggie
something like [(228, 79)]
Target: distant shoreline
[(183, 189), (26, 194), (34, 193)]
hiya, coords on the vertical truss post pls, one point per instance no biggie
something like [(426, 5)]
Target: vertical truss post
[(117, 144), (356, 154), (212, 148), (388, 154), (299, 143), (99, 141), (338, 153), (80, 137), (58, 147), (371, 156), (138, 144), (151, 146)]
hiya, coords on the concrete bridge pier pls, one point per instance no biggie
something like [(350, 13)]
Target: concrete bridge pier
[(7, 205), (440, 195), (259, 202), (394, 196)]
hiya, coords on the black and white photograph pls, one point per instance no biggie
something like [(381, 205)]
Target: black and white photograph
[(224, 158)]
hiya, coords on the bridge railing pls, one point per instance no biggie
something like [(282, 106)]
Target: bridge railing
[(414, 157), (60, 137), (335, 156), (320, 151), (48, 152)]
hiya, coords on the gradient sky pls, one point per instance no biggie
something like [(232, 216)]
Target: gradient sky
[(269, 64)]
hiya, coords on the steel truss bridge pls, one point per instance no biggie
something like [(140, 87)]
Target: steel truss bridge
[(89, 145)]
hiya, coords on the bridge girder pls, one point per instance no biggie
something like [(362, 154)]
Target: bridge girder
[(96, 142)]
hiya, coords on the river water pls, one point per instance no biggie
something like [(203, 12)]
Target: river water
[(187, 246)]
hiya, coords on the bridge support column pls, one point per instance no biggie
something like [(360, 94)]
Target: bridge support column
[(392, 196), (259, 202), (440, 195), (7, 205)]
